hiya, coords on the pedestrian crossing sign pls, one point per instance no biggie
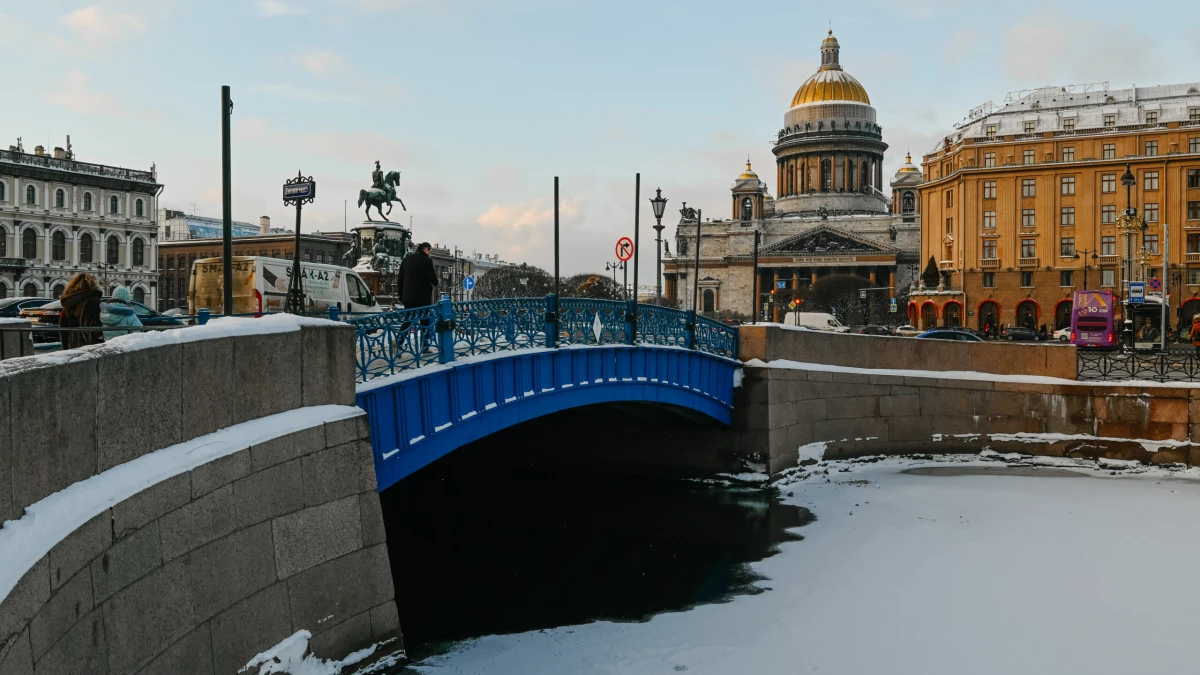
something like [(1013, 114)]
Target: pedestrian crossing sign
[(892, 306)]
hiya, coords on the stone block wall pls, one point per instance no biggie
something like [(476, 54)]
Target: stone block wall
[(201, 572), (768, 343), (856, 414), (14, 344)]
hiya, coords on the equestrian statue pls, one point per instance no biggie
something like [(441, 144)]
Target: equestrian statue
[(382, 191)]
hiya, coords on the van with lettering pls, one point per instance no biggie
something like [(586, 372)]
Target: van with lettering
[(260, 285), (814, 321)]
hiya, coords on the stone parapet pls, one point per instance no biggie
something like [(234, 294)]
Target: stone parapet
[(768, 342)]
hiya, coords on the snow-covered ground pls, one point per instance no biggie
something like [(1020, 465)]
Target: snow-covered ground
[(928, 575)]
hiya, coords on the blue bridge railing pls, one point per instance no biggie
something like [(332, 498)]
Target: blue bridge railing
[(440, 333)]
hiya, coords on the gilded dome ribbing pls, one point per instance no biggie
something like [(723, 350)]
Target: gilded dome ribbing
[(830, 83)]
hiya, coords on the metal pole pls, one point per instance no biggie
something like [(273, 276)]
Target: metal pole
[(295, 297), (637, 248), (226, 201), (658, 261), (754, 283), (696, 280), (556, 275), (1166, 280)]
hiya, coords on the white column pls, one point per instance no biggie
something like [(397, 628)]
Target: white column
[(46, 190), (17, 199), (46, 245), (128, 205), (75, 199)]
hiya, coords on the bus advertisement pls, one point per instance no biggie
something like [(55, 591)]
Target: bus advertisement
[(1092, 318)]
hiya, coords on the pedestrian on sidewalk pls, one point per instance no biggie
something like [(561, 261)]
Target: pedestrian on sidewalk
[(118, 312), (1196, 333), (417, 282), (80, 309)]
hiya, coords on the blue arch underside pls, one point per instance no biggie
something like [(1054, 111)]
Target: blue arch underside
[(423, 415)]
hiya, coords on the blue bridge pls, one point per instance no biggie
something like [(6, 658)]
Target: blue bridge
[(435, 378)]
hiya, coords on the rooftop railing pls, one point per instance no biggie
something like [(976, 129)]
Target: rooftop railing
[(51, 162)]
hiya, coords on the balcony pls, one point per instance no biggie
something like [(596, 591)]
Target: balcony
[(1110, 260), (990, 263), (946, 265), (1192, 257), (1027, 262)]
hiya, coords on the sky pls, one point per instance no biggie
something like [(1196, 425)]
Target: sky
[(481, 103)]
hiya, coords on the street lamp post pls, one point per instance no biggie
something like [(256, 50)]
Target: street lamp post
[(659, 204), (1093, 257), (614, 266), (1128, 224)]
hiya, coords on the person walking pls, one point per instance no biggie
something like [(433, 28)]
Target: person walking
[(1196, 333), (417, 281), (118, 312), (80, 309)]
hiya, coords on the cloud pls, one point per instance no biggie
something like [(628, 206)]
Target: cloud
[(302, 94), (98, 27), (616, 134), (725, 136), (72, 92), (1040, 51), (322, 62), (520, 217), (358, 148), (959, 44), (275, 8)]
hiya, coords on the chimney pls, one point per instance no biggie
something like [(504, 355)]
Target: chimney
[(39, 151), (59, 153), (264, 225)]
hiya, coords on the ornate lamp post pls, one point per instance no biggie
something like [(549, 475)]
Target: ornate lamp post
[(1090, 255), (659, 204), (1128, 224), (614, 266)]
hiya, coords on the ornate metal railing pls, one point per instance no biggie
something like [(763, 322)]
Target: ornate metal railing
[(412, 338), (1181, 366), (51, 162)]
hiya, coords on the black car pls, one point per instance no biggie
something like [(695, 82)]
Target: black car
[(49, 314), (949, 334), (1022, 334), (10, 308), (875, 330)]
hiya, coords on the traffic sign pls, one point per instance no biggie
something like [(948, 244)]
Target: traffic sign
[(1156, 284), (1137, 291), (892, 306), (468, 282), (793, 305), (780, 284), (624, 248), (862, 295)]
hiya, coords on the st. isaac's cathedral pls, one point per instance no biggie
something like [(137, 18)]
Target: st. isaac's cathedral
[(832, 215)]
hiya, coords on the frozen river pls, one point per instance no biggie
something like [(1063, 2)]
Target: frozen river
[(925, 573)]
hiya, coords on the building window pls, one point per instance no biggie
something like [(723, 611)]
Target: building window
[(60, 199), (1110, 151), (1026, 279), (1193, 178), (307, 256), (1110, 121), (1028, 218), (85, 248), (58, 246), (29, 291), (1066, 278), (1193, 243), (170, 262), (113, 251), (1030, 127), (1068, 185), (1028, 187), (1068, 124), (1151, 243), (991, 132), (30, 195), (1193, 276), (1151, 148), (1066, 247), (989, 279), (949, 198), (57, 291), (113, 205), (949, 226), (139, 209), (1068, 154), (87, 201), (1029, 248), (1150, 181), (1152, 212), (1193, 210), (139, 253), (908, 203), (1194, 114), (1151, 117), (139, 294), (1108, 245), (1108, 214), (1108, 182), (989, 220), (989, 249), (3, 191), (1194, 144), (989, 189), (1108, 277), (1068, 215), (288, 256), (989, 158), (29, 244), (1027, 157)]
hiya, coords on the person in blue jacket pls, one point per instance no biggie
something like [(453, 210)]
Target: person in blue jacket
[(118, 312)]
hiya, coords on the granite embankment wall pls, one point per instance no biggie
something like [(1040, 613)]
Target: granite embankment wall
[(203, 570), (769, 343)]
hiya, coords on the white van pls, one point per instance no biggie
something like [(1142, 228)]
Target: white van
[(815, 321), (261, 284)]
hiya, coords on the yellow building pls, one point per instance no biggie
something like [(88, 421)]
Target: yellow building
[(1021, 202)]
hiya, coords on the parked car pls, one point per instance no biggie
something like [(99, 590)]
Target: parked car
[(949, 334), (907, 331), (10, 308), (1020, 333), (49, 313), (1063, 334), (967, 329), (875, 330)]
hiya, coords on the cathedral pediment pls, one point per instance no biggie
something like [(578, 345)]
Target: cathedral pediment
[(825, 240)]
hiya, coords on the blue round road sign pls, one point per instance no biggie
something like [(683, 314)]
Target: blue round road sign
[(468, 282)]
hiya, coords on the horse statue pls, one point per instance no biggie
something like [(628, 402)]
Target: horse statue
[(385, 194)]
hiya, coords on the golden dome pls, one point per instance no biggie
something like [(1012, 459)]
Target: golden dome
[(748, 173), (830, 83), (908, 167)]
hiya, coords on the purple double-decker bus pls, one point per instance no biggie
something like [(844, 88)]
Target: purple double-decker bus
[(1092, 318)]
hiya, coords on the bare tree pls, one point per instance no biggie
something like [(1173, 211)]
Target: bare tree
[(595, 286), (516, 281), (838, 294)]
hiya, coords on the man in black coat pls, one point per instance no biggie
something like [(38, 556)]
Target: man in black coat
[(418, 279)]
